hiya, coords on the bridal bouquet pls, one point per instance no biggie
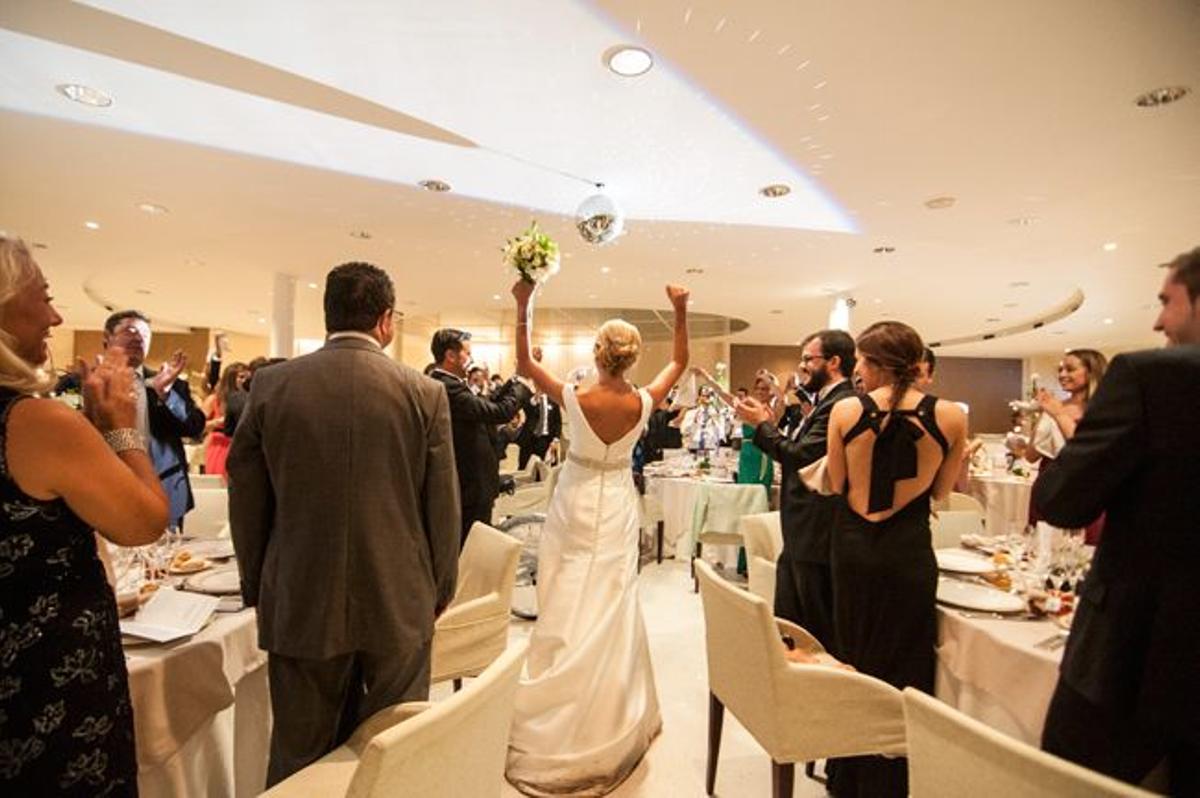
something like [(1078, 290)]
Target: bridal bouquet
[(533, 254)]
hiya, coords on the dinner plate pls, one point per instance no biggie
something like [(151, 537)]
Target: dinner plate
[(973, 596), (212, 549), (194, 565), (961, 561), (216, 583)]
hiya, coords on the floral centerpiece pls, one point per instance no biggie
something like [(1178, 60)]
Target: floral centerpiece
[(533, 254)]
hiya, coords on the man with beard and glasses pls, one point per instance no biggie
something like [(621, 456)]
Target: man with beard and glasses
[(803, 585)]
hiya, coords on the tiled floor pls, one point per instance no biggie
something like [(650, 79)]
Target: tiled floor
[(674, 765)]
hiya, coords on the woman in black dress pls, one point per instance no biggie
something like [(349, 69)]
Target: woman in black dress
[(66, 725), (891, 449)]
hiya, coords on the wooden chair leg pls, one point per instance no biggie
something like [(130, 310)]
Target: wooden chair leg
[(782, 778), (457, 685), (659, 541), (716, 719), (810, 770), (695, 556)]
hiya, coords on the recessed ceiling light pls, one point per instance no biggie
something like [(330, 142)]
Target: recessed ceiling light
[(1111, 246), (694, 270), (884, 250), (495, 296), (92, 225), (775, 190), (84, 94), (605, 270), (991, 320), (878, 301), (822, 118), (262, 320), (1019, 284), (363, 234), (39, 245), (1108, 321), (1058, 332), (438, 186), (820, 84), (1024, 221), (151, 208), (1167, 94), (940, 203), (314, 286), (143, 291), (591, 296), (776, 312), (193, 261), (1012, 304), (628, 61)]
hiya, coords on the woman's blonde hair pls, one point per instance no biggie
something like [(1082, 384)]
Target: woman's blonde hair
[(618, 344), (16, 267)]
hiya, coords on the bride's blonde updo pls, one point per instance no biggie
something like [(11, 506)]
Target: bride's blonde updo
[(618, 344)]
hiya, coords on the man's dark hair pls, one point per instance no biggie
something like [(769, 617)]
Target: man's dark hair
[(1185, 270), (475, 370), (356, 295), (929, 357), (447, 340), (838, 343), (110, 324), (429, 369)]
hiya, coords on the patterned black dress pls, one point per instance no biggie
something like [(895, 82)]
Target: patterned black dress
[(66, 725)]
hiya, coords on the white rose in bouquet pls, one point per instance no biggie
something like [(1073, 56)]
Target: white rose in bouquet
[(533, 255)]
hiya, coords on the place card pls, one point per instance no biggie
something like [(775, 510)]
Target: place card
[(169, 615)]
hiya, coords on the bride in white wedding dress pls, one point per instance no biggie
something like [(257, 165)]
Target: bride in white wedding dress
[(587, 709)]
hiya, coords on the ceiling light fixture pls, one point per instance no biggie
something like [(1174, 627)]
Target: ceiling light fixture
[(361, 234), (628, 61), (1108, 321), (1019, 284), (92, 225), (1111, 246), (775, 190), (495, 296), (39, 245), (151, 208), (1024, 221), (437, 186), (991, 320), (940, 203), (84, 95), (605, 269), (776, 312), (884, 250), (143, 291), (693, 270), (313, 286), (1163, 96)]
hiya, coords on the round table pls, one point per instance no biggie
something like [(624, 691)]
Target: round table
[(1005, 500), (692, 505), (202, 711)]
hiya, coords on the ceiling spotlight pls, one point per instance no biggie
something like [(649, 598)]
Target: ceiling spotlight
[(1155, 97), (884, 250), (495, 296), (39, 245), (1111, 246), (1019, 284), (151, 208), (605, 269), (939, 203), (361, 234), (84, 94), (313, 286), (694, 270), (92, 225), (262, 320), (628, 61), (775, 190), (776, 312), (143, 291), (437, 186), (1024, 221), (1108, 321), (991, 320)]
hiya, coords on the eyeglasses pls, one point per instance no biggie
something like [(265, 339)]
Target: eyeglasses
[(806, 359)]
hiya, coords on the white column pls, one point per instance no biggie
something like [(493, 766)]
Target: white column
[(283, 316)]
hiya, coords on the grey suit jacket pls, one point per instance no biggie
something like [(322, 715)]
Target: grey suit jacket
[(343, 503)]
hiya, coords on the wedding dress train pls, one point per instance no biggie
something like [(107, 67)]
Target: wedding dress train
[(587, 709)]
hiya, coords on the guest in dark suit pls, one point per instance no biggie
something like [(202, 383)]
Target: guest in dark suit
[(474, 420), (344, 511), (803, 584), (543, 423), (1129, 689), (166, 412)]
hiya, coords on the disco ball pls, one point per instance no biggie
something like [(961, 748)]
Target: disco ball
[(599, 220)]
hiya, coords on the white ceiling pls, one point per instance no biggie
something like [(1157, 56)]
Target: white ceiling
[(312, 120)]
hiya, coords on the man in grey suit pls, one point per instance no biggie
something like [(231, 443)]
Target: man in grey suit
[(343, 503)]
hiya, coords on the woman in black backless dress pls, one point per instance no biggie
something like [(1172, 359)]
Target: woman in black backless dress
[(890, 450), (66, 724)]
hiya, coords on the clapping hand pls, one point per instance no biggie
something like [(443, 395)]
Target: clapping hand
[(752, 411), (109, 392), (1050, 403), (678, 296), (167, 374)]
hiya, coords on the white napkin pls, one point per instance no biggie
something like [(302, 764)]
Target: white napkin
[(169, 615)]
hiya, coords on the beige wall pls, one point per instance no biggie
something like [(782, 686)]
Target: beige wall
[(195, 344)]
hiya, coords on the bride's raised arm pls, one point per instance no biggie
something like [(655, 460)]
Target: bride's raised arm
[(661, 385), (527, 367)]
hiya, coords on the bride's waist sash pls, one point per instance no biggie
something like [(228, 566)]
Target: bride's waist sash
[(599, 465)]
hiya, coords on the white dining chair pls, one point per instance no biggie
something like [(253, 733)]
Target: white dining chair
[(951, 755), (948, 526), (763, 536), (210, 515)]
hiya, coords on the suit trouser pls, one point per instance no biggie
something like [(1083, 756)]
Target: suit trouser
[(317, 704), (804, 595), (538, 445), (472, 513), (1113, 743)]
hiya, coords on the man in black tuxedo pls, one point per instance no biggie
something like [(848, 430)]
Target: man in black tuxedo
[(543, 423), (473, 420), (1129, 689), (803, 583)]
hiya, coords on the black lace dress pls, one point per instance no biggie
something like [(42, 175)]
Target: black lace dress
[(885, 584), (66, 725)]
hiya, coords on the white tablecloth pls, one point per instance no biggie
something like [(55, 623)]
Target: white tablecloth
[(693, 505), (202, 712), (1005, 501), (989, 669)]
